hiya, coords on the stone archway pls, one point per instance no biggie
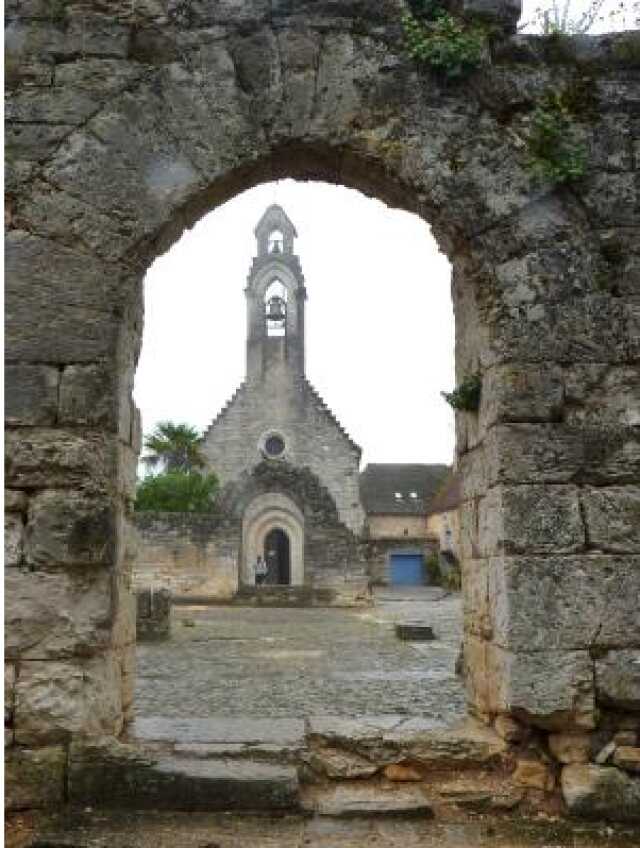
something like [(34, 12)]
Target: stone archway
[(124, 128), (265, 513)]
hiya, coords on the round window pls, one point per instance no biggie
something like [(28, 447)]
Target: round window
[(274, 445)]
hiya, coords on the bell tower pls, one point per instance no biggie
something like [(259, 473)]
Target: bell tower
[(275, 301)]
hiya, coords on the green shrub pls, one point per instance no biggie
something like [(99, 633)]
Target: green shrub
[(177, 491), (432, 565), (444, 43), (554, 153), (466, 396)]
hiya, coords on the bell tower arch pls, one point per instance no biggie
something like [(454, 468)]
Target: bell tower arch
[(275, 300)]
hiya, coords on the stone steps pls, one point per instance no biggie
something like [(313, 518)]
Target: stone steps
[(113, 774)]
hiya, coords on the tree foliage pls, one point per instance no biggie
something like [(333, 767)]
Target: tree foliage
[(173, 447), (570, 17), (177, 491)]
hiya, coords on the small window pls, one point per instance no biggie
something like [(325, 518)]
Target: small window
[(398, 496), (274, 445), (413, 495)]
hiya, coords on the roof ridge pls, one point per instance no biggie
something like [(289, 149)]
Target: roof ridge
[(323, 405), (225, 409)]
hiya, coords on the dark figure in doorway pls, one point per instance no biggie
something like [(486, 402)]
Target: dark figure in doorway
[(276, 546)]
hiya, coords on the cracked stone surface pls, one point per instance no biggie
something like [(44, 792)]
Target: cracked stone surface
[(282, 663)]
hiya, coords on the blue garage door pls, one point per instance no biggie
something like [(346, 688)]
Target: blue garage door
[(407, 570)]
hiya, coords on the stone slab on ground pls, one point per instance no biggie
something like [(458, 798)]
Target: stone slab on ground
[(111, 774), (358, 799), (467, 745), (414, 631)]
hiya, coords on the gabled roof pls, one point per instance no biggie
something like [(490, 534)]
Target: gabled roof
[(449, 495), (274, 217), (380, 483)]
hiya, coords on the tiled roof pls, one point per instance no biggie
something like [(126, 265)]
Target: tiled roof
[(448, 496), (400, 488)]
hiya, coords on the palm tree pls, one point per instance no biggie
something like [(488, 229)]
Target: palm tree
[(176, 447)]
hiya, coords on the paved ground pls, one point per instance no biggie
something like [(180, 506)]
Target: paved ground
[(231, 661), (123, 829)]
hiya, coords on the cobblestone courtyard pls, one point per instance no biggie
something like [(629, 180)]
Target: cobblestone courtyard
[(265, 662)]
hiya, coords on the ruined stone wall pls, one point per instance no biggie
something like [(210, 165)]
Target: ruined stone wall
[(125, 125), (188, 554)]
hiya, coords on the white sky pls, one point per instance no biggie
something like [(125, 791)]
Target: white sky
[(379, 319)]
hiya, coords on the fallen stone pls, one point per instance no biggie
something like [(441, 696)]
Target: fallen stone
[(570, 747), (111, 774), (414, 631), (338, 764), (35, 779), (601, 792), (363, 735), (402, 772), (533, 774), (363, 800), (627, 758)]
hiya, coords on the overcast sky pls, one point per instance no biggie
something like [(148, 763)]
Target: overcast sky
[(379, 318)]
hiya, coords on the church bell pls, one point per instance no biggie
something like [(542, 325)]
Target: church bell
[(276, 309)]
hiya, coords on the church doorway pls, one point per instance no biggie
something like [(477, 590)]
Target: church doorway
[(277, 557)]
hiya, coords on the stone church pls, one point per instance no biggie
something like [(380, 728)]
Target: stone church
[(291, 487), (287, 468)]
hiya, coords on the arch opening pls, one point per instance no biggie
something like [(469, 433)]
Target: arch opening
[(277, 557)]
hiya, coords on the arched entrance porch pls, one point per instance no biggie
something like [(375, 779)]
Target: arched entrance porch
[(273, 527)]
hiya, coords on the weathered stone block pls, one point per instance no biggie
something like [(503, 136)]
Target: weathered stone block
[(532, 519), (88, 396), (475, 597), (534, 774), (13, 539), (35, 780), (9, 693), (47, 458), (618, 678), (31, 394), (512, 393), (556, 453), (37, 328), (590, 599), (601, 792), (55, 700), (551, 689), (55, 615), (68, 528), (570, 747), (612, 516), (503, 13)]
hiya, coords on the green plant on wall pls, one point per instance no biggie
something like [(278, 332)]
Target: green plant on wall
[(466, 396), (555, 154), (443, 42)]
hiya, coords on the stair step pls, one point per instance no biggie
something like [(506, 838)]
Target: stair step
[(117, 775), (355, 799)]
